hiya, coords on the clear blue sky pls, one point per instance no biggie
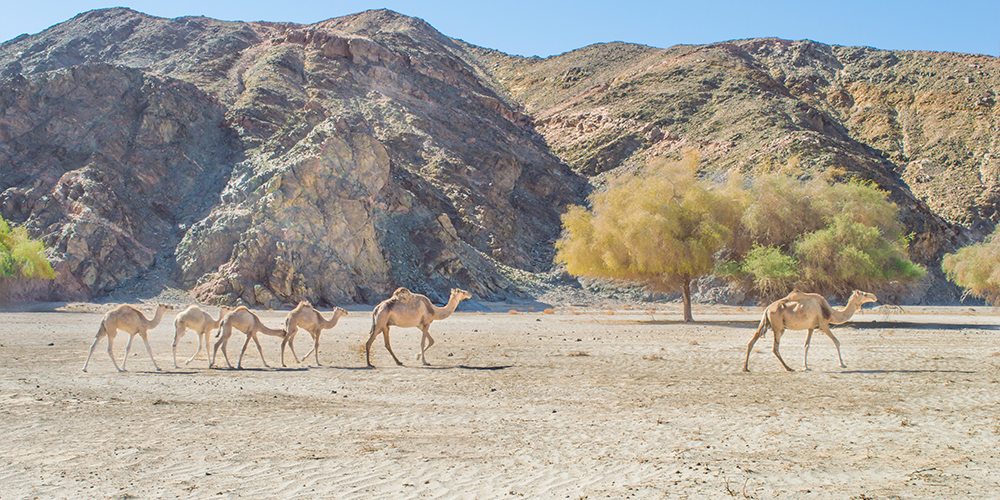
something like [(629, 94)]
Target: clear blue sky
[(545, 28)]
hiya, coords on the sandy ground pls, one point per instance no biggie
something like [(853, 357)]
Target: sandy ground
[(575, 404)]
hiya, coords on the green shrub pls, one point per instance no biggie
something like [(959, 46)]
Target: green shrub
[(976, 268), (21, 256)]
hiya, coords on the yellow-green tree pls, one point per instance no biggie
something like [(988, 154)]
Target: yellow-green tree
[(662, 228), (821, 236), (21, 256), (976, 268)]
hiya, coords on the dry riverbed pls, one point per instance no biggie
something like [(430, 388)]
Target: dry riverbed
[(569, 404)]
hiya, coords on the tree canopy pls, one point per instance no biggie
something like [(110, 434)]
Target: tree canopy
[(976, 268), (665, 227), (818, 235), (662, 228)]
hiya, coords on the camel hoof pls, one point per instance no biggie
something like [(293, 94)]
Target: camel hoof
[(746, 370)]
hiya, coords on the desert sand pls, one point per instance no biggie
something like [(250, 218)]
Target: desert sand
[(578, 403)]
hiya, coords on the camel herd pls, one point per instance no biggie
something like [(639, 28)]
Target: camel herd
[(405, 309)]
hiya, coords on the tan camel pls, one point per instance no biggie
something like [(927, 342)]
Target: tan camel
[(310, 320), (805, 311), (247, 322), (406, 309), (131, 321), (201, 322)]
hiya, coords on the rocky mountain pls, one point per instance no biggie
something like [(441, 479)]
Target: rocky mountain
[(264, 163)]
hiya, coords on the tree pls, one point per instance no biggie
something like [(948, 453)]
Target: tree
[(822, 236), (662, 228), (976, 268), (20, 256)]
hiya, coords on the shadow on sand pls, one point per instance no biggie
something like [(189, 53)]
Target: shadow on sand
[(886, 372)]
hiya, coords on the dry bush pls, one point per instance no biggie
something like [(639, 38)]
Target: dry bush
[(549, 310), (976, 268)]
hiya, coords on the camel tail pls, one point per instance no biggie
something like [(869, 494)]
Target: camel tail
[(765, 323)]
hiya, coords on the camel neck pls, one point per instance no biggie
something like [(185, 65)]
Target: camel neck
[(447, 309), (329, 323), (845, 314), (156, 317)]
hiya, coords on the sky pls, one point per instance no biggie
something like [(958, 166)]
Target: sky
[(544, 28)]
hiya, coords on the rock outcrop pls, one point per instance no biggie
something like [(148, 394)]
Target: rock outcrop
[(368, 155)]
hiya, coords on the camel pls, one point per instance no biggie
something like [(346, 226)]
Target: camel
[(310, 320), (131, 321), (805, 311), (247, 322), (202, 324), (406, 309)]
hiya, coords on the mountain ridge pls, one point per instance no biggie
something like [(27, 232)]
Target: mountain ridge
[(368, 151)]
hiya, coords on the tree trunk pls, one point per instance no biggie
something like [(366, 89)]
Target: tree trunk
[(687, 301)]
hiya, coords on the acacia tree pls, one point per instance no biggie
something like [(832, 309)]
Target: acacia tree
[(827, 237), (662, 228), (20, 256), (976, 268)]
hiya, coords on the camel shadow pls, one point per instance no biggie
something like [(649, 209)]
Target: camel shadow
[(886, 372), (430, 367)]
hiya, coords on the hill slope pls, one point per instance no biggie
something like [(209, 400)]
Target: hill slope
[(266, 163)]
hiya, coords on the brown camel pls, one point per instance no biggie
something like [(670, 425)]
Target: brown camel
[(131, 321), (406, 309), (247, 322), (805, 311), (310, 320), (201, 322)]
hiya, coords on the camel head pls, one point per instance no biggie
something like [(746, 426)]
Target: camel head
[(339, 311), (164, 307), (864, 297), (459, 294)]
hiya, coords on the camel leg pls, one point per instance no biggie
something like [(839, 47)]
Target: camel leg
[(202, 336), (746, 364), (423, 350), (777, 340), (836, 343), (387, 346), (101, 333), (805, 356), (259, 350), (368, 346), (239, 364), (177, 337), (148, 350), (314, 350), (289, 340), (224, 342), (761, 329), (128, 348)]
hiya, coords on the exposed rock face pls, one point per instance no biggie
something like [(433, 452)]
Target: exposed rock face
[(107, 164), (371, 156), (265, 163)]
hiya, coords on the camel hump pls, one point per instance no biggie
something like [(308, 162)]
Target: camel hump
[(402, 293), (305, 303)]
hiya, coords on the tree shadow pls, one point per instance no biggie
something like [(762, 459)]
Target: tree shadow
[(909, 325), (886, 372)]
